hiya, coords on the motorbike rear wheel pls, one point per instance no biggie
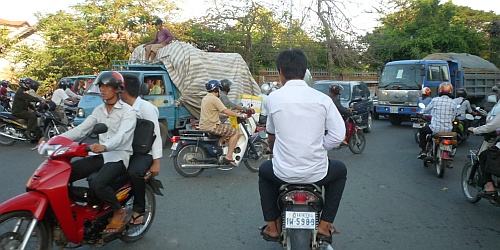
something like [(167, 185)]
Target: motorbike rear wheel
[(357, 142), (440, 164), (254, 164), (298, 239), (186, 155), (51, 131), (5, 141), (137, 232), (14, 226), (471, 191)]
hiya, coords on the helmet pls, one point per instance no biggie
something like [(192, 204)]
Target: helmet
[(426, 91), (5, 82), (34, 85), (212, 86), (266, 88), (461, 92), (62, 84), (335, 89), (225, 85), (494, 89), (110, 78), (25, 83), (445, 88)]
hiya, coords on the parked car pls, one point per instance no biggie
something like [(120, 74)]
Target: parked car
[(355, 96)]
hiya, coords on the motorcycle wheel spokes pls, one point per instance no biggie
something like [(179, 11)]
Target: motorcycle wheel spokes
[(254, 164), (357, 142), (136, 232), (470, 188), (440, 164), (187, 155), (52, 131), (13, 228), (5, 141)]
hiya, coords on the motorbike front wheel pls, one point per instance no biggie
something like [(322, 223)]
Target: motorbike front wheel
[(14, 227), (51, 131), (4, 140), (136, 232), (440, 164), (357, 142), (470, 188), (187, 155), (254, 164)]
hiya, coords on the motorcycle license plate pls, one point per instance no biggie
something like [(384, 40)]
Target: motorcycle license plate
[(300, 220), (445, 147), (417, 125), (393, 110), (174, 146)]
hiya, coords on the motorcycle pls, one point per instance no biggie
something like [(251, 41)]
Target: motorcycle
[(70, 111), (193, 151), (439, 149), (51, 211), (460, 128), (419, 122), (13, 129), (472, 173), (479, 116), (301, 206), (355, 137)]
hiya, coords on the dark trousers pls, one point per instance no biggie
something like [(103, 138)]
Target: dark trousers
[(106, 175), (30, 117), (137, 168), (423, 134), (334, 183)]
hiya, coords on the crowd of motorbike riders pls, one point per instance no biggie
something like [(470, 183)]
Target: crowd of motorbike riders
[(444, 109), (26, 101)]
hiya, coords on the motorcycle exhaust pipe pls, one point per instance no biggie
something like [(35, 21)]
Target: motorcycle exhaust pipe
[(198, 166), (13, 137)]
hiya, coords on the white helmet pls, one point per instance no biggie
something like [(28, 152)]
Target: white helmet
[(266, 88)]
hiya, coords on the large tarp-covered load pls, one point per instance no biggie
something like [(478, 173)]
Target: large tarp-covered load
[(469, 62), (190, 68)]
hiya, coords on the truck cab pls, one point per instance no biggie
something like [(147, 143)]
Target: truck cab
[(172, 115)]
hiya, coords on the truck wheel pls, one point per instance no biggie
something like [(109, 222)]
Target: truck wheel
[(395, 119), (376, 116)]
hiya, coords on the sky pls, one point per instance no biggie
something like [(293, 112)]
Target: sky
[(23, 10)]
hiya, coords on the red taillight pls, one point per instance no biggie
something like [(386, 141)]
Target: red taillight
[(446, 142), (175, 139), (300, 197)]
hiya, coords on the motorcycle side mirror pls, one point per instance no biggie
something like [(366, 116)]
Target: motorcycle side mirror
[(99, 128), (421, 105), (357, 99), (492, 98), (144, 89)]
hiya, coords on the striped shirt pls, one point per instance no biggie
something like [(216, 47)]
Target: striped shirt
[(443, 111)]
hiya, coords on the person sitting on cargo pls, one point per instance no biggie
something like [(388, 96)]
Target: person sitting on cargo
[(211, 106), (443, 110), (153, 88), (334, 90), (425, 97), (225, 87), (163, 37)]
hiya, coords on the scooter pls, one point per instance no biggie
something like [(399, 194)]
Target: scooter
[(51, 211), (472, 173), (13, 129), (193, 151), (355, 137)]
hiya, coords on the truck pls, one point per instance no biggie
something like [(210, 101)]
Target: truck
[(402, 81), (181, 72)]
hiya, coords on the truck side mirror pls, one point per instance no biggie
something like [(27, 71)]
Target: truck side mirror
[(422, 70), (144, 89)]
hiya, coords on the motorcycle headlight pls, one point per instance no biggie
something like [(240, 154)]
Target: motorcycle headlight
[(48, 149), (80, 112)]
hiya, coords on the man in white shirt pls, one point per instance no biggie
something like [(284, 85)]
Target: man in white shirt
[(140, 164), (114, 147), (58, 98), (298, 117)]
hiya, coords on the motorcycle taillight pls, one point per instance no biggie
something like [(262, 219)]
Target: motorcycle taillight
[(300, 197), (175, 139), (446, 142)]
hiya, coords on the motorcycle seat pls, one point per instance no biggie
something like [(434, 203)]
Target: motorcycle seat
[(10, 116), (198, 133), (444, 134)]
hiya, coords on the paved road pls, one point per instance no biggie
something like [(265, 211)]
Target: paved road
[(391, 202)]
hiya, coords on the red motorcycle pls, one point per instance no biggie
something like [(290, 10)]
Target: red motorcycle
[(355, 137), (53, 211)]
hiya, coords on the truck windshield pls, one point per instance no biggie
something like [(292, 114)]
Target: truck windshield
[(401, 76)]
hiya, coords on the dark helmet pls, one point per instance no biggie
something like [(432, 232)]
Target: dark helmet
[(158, 21), (5, 83), (445, 88), (62, 84), (461, 92), (212, 86), (335, 89), (225, 85), (35, 85), (25, 83), (266, 88), (110, 78)]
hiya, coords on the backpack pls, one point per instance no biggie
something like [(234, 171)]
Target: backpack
[(143, 136), (51, 105)]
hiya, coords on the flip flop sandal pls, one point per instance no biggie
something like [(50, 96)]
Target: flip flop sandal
[(267, 237), (230, 162), (325, 238), (135, 218), (114, 224)]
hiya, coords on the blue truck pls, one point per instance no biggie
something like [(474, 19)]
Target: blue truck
[(402, 81), (172, 115)]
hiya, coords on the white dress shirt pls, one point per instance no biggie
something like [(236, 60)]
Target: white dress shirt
[(298, 116), (118, 140), (148, 111), (59, 96)]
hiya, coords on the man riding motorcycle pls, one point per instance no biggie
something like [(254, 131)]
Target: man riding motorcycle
[(464, 107), (4, 94), (300, 146), (22, 105), (334, 90), (443, 110)]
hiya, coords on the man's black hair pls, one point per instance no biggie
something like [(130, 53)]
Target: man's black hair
[(293, 64), (132, 84)]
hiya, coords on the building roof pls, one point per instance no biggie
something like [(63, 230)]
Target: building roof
[(15, 24)]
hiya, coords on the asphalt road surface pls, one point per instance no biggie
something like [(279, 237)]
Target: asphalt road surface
[(390, 202)]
